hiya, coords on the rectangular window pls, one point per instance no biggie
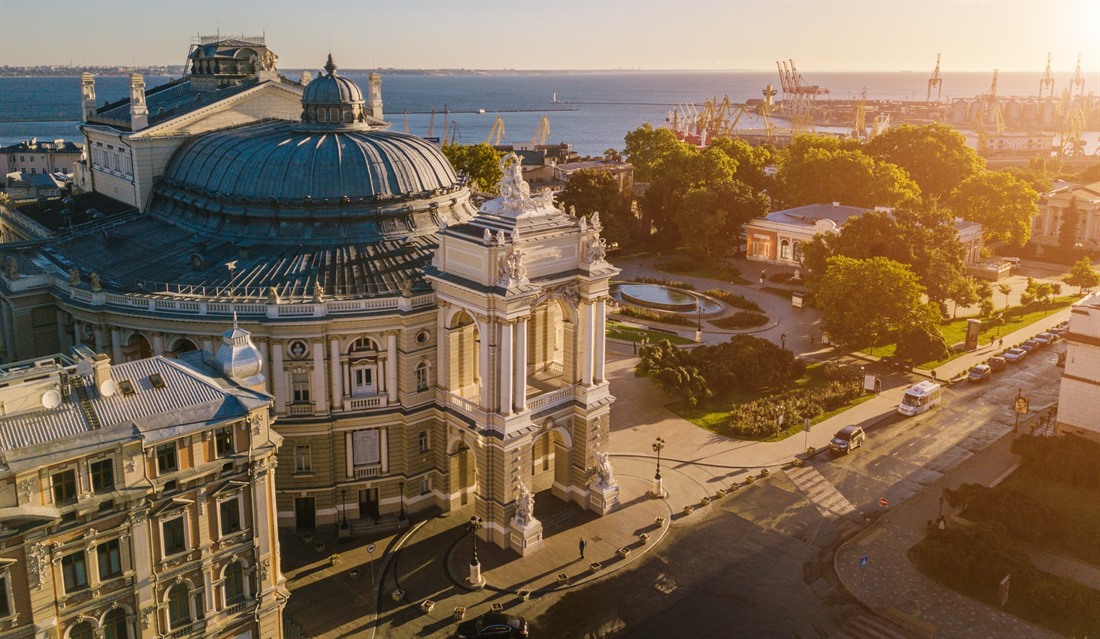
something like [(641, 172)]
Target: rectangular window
[(421, 378), (74, 571), (173, 535), (425, 441), (64, 487), (230, 512), (166, 458), (110, 559), (300, 386), (103, 475), (303, 459), (223, 441), (5, 605), (425, 485)]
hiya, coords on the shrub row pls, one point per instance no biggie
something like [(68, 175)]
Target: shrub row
[(741, 319), (733, 299), (667, 282), (759, 418), (655, 316)]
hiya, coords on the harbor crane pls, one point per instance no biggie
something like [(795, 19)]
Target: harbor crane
[(935, 81), (496, 133), (1078, 80), (1047, 81), (859, 130), (542, 132)]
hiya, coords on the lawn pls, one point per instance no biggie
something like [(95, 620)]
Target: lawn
[(1015, 318), (618, 330), (712, 414)]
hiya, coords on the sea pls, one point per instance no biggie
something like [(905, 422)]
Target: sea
[(592, 111)]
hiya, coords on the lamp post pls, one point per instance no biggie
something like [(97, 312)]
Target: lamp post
[(344, 507), (402, 488), (783, 340), (658, 486), (475, 524)]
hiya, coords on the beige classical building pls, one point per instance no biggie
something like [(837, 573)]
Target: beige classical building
[(33, 157), (1079, 399), (137, 500), (421, 353), (229, 82), (1046, 230)]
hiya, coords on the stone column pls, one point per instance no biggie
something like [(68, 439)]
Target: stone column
[(391, 367), (116, 345), (317, 379), (505, 368), (208, 345), (158, 344), (62, 335), (519, 371), (484, 364), (335, 373), (601, 335), (101, 339), (141, 550), (586, 343), (208, 592), (76, 328), (278, 377), (443, 351), (265, 362)]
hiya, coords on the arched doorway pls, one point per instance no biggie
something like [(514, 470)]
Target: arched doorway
[(463, 354), (550, 456), (182, 345), (137, 347), (462, 475), (550, 347)]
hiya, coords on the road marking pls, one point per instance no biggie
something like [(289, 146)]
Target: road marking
[(832, 505)]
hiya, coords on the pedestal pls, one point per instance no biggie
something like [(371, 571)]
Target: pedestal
[(658, 489), (475, 579), (602, 498), (525, 536)]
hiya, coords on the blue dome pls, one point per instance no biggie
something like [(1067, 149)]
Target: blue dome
[(331, 90)]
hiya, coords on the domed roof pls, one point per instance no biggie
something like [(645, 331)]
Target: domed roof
[(278, 163), (331, 89)]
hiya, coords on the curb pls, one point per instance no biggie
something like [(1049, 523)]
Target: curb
[(391, 551)]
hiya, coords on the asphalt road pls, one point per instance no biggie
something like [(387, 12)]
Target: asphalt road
[(760, 564)]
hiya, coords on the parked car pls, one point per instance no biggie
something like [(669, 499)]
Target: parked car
[(1030, 345), (1014, 355), (997, 364), (493, 624), (846, 439), (980, 373), (1045, 338)]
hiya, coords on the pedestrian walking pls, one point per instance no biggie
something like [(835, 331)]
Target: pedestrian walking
[(1001, 344), (583, 544), (933, 374), (811, 340)]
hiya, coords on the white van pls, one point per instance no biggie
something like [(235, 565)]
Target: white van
[(921, 397)]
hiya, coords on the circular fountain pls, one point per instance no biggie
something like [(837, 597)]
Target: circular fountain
[(665, 298)]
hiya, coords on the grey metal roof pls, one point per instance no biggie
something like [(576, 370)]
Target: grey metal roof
[(188, 398), (331, 89), (173, 99), (810, 213), (275, 161)]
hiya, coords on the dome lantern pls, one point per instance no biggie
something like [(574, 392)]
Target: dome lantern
[(333, 102)]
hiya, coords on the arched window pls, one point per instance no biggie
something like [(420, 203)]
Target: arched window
[(422, 376), (81, 631), (114, 625), (785, 250), (363, 367), (797, 251), (179, 607), (234, 583)]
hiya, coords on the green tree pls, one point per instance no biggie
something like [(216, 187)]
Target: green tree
[(985, 297), (752, 161), (964, 292), (648, 148), (1082, 275), (669, 368), (592, 190), (865, 301), (817, 175), (1006, 290), (479, 164), (934, 155), (612, 155), (746, 363), (1004, 205), (1067, 232)]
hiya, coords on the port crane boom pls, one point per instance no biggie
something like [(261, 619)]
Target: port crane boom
[(542, 132), (1047, 81), (935, 81), (496, 133)]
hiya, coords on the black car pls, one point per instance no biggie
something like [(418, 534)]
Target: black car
[(493, 624), (979, 373), (997, 364)]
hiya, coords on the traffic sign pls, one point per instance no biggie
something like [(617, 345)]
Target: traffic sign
[(863, 561), (884, 502), (371, 548)]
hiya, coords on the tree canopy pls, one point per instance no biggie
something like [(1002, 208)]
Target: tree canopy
[(819, 170), (592, 190), (477, 163), (935, 156), (1083, 275), (648, 148), (1003, 204), (864, 301)]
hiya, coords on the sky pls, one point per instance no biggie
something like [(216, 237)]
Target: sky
[(871, 35)]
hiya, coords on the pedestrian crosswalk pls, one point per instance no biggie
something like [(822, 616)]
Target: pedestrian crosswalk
[(832, 505), (869, 627)]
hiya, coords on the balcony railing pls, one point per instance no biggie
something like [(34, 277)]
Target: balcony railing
[(299, 409), (181, 632), (553, 398), (365, 402), (363, 472)]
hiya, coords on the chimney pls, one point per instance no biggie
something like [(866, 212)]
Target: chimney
[(139, 111), (87, 95), (374, 95), (101, 369)]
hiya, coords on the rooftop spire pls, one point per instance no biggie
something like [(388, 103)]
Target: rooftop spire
[(330, 66)]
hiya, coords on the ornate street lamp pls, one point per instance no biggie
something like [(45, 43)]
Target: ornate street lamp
[(475, 524), (658, 486)]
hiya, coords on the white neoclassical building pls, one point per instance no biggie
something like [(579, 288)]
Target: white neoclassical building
[(422, 353)]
